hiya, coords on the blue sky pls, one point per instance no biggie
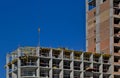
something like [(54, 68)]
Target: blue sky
[(62, 24)]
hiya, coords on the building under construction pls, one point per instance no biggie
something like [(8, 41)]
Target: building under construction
[(103, 30), (35, 62), (102, 59)]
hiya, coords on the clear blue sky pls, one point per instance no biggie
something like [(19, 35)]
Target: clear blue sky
[(62, 24)]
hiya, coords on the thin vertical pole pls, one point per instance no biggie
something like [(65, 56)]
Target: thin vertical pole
[(39, 37)]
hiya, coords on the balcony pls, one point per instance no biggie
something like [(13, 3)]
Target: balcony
[(57, 54), (45, 53), (29, 64), (67, 55), (116, 51), (96, 58), (56, 66), (56, 74), (106, 69), (116, 26), (116, 44), (87, 57), (44, 63), (77, 65), (77, 55), (117, 75), (28, 74), (116, 20), (67, 74), (96, 68), (29, 51), (67, 64), (106, 59), (116, 69), (116, 60), (44, 73), (77, 74), (106, 75)]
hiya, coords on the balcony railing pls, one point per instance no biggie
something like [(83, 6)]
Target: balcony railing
[(45, 75), (66, 57), (106, 70), (44, 54), (106, 61), (96, 69), (29, 64), (96, 60), (76, 76), (56, 76), (29, 74), (66, 67), (55, 66), (44, 64), (86, 59), (56, 56), (66, 76), (76, 67)]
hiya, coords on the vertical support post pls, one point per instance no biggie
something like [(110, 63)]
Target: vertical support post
[(101, 67), (7, 67), (72, 65), (19, 63), (82, 65), (111, 36), (97, 26), (86, 25), (50, 64), (38, 61), (62, 63)]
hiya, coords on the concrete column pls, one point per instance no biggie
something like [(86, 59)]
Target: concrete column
[(19, 64), (72, 65), (50, 64), (38, 61), (62, 72), (101, 67), (82, 66), (91, 59), (13, 66), (111, 37), (86, 25), (97, 26), (7, 68)]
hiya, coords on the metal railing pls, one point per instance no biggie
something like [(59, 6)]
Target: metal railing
[(44, 64), (66, 56), (29, 64), (66, 76), (66, 67), (44, 54), (29, 73), (96, 60), (56, 76), (55, 66), (106, 61), (86, 59), (56, 56), (46, 75), (76, 67)]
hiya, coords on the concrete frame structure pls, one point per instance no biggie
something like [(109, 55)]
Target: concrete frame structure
[(102, 60), (35, 62), (103, 30)]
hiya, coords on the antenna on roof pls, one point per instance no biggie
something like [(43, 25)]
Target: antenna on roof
[(39, 37)]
